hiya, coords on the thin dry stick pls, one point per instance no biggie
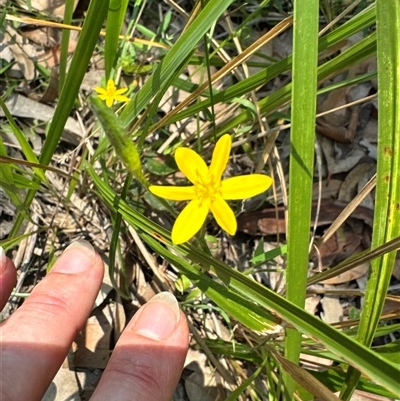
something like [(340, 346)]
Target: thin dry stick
[(26, 256), (199, 339), (318, 163), (38, 22), (340, 16), (177, 8), (262, 134), (348, 210), (148, 259)]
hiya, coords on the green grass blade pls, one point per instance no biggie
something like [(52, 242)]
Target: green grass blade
[(86, 44), (95, 16), (68, 13), (375, 366), (362, 21), (301, 172), (175, 58), (387, 203), (115, 19), (354, 55), (7, 181), (25, 146)]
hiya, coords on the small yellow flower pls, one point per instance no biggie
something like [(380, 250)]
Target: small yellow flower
[(111, 93), (208, 191)]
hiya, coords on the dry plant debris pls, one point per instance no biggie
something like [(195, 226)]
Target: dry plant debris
[(346, 142)]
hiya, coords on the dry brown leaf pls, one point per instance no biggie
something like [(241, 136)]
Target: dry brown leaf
[(330, 189), (271, 221), (311, 304), (53, 8), (341, 245), (340, 157), (332, 309), (349, 275), (52, 56), (43, 36), (306, 379), (21, 106), (23, 52), (200, 384), (350, 186)]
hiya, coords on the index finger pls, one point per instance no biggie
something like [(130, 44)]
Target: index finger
[(37, 337), (8, 277)]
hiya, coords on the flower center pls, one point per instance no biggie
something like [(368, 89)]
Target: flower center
[(207, 187)]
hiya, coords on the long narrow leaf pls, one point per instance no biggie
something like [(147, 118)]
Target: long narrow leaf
[(95, 16), (176, 56), (387, 210), (115, 19), (302, 137), (372, 364)]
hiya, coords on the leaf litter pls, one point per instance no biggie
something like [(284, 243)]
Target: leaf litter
[(346, 138)]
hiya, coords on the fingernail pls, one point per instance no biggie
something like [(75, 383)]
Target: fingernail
[(2, 259), (158, 318), (75, 262)]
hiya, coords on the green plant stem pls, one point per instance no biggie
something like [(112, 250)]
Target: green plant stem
[(304, 89)]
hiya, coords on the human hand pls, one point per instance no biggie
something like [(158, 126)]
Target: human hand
[(147, 361)]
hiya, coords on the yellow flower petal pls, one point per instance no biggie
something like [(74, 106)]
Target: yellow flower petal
[(120, 91), (110, 85), (102, 91), (111, 94), (121, 98), (103, 97), (189, 221), (245, 186), (220, 156), (224, 215), (173, 193), (191, 164)]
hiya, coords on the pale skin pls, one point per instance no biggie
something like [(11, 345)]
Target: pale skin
[(145, 365)]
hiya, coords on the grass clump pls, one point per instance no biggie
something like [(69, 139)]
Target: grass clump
[(192, 73)]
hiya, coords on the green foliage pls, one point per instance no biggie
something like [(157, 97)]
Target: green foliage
[(134, 146)]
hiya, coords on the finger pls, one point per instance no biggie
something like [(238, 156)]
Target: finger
[(36, 338), (8, 277), (148, 360)]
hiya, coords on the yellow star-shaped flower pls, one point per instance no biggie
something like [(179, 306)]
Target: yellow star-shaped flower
[(209, 191), (111, 93)]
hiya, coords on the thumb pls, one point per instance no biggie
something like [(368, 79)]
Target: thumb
[(148, 359)]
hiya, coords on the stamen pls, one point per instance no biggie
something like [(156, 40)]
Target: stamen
[(206, 187)]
